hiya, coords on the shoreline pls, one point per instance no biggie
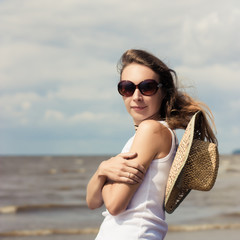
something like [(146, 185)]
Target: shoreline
[(44, 199), (217, 231)]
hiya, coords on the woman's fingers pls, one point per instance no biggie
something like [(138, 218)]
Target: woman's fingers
[(134, 174), (128, 155), (133, 171), (123, 168), (137, 166), (129, 178), (135, 178)]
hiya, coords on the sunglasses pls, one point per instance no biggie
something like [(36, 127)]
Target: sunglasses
[(147, 87)]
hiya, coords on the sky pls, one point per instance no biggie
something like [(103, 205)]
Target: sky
[(58, 72)]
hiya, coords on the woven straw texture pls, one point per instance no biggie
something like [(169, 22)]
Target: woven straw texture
[(180, 159), (199, 172), (195, 166)]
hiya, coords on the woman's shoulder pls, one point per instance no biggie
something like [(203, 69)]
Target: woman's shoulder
[(153, 126), (158, 134)]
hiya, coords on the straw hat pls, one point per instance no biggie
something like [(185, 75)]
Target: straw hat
[(195, 165)]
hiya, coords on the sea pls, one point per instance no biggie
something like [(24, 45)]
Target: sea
[(43, 198)]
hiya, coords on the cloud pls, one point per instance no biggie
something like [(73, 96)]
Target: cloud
[(235, 105), (211, 38), (53, 115), (14, 107), (219, 76), (58, 66)]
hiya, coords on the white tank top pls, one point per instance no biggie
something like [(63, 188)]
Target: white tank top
[(144, 217)]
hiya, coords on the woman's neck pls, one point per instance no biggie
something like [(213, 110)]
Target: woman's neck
[(156, 117)]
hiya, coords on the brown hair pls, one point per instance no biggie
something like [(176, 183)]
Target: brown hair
[(177, 107)]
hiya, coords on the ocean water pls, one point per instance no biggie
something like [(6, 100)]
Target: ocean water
[(43, 197)]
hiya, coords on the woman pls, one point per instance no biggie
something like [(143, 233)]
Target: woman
[(132, 184)]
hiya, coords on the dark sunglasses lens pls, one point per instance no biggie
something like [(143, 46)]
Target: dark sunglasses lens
[(126, 88), (148, 87)]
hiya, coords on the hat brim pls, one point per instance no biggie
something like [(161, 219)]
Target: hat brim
[(194, 167), (173, 195)]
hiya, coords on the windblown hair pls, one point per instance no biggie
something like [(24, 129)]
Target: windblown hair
[(177, 106)]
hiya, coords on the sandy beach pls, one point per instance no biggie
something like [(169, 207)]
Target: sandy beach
[(43, 198), (217, 212)]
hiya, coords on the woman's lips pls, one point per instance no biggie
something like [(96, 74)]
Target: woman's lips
[(138, 108)]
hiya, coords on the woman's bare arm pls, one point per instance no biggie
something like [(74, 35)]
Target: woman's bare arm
[(152, 140), (116, 169)]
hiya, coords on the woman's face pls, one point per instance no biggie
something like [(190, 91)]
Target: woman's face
[(139, 106)]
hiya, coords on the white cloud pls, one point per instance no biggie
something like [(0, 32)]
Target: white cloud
[(53, 115), (14, 104), (212, 38), (26, 105), (224, 77), (235, 105), (83, 92), (57, 117), (58, 58), (85, 116)]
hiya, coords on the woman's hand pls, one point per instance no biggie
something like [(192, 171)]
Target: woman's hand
[(122, 169), (118, 169)]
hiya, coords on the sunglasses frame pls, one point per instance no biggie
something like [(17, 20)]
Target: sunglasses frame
[(138, 86)]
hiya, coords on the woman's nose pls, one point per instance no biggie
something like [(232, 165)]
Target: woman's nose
[(137, 96)]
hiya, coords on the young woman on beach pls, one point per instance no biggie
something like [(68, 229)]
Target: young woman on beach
[(132, 184)]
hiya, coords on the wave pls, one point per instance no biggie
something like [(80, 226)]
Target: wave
[(45, 232), (173, 228), (200, 227), (16, 209)]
